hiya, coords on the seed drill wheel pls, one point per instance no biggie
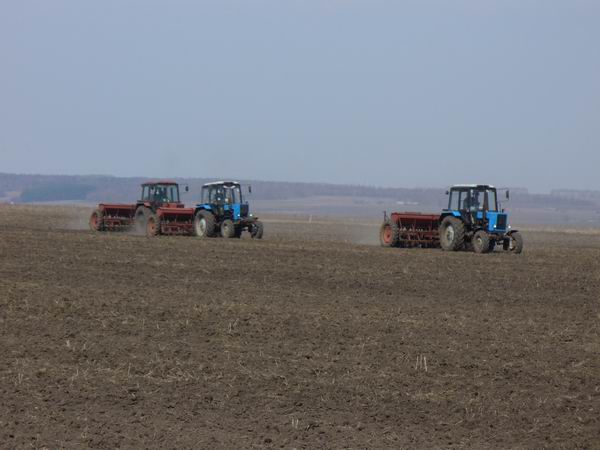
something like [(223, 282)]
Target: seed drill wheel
[(452, 234), (204, 224), (96, 221), (257, 230), (228, 229), (389, 233), (513, 243), (152, 226), (481, 242)]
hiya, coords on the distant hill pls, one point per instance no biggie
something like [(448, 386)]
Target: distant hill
[(560, 206), (25, 188)]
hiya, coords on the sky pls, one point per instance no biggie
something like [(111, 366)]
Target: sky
[(386, 93)]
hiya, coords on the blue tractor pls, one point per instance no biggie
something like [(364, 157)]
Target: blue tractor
[(222, 211), (473, 220)]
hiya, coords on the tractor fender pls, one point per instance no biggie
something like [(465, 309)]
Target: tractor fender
[(463, 217), (508, 233), (447, 213)]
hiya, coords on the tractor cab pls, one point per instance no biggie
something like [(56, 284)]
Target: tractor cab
[(224, 199), (477, 206), (161, 194)]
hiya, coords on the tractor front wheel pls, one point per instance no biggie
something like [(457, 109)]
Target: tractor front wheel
[(452, 234), (513, 243), (204, 224), (256, 232), (228, 229), (481, 242)]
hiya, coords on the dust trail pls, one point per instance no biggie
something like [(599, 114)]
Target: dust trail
[(366, 235), (323, 229), (363, 232), (77, 219), (134, 231)]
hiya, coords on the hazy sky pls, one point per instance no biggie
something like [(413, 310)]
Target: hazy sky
[(391, 93)]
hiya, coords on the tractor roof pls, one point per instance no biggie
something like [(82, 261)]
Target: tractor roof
[(484, 186), (228, 183), (151, 183)]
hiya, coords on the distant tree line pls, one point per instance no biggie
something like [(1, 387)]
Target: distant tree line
[(39, 188), (576, 194), (56, 192)]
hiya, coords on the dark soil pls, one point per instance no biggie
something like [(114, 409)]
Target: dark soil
[(303, 340)]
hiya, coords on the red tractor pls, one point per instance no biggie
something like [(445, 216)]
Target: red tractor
[(159, 211)]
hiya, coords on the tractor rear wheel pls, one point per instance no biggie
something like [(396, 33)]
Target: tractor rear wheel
[(152, 226), (514, 243), (257, 230), (389, 233), (481, 242), (204, 224), (228, 229), (452, 234), (96, 221)]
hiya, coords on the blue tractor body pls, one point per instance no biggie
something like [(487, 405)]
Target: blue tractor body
[(234, 211), (492, 221), (223, 211), (475, 220)]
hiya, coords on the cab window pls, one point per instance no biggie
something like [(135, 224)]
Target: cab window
[(492, 201), (232, 194), (160, 194), (480, 200), (454, 202), (173, 194), (215, 195)]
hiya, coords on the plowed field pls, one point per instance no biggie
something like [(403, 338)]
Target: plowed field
[(311, 338)]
